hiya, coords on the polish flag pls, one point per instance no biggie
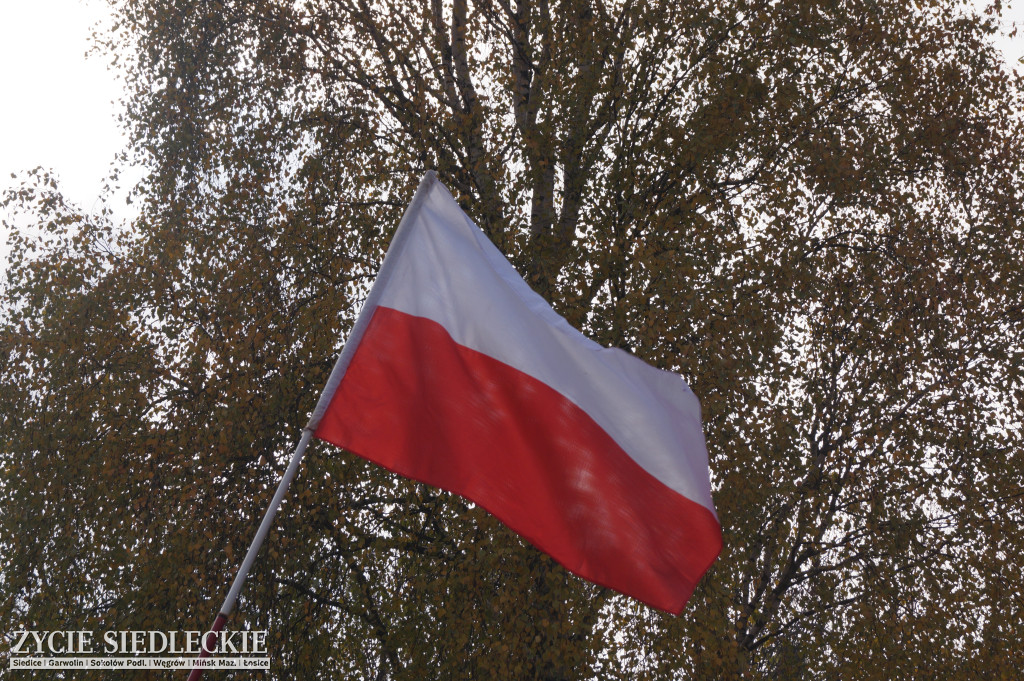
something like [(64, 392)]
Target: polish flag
[(458, 375)]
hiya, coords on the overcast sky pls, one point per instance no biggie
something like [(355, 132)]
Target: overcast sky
[(59, 109)]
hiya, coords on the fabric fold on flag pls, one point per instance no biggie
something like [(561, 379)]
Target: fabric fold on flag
[(457, 374)]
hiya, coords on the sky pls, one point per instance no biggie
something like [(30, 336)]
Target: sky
[(59, 109)]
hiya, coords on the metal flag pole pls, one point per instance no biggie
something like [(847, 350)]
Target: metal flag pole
[(210, 639)]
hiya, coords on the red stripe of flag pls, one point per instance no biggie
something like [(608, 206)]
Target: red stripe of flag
[(418, 403)]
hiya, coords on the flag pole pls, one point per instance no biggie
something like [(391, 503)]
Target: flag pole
[(250, 557), (307, 433)]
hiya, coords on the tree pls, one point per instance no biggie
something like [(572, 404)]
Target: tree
[(810, 210)]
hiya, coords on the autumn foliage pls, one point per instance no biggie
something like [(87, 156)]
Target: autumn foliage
[(811, 210)]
